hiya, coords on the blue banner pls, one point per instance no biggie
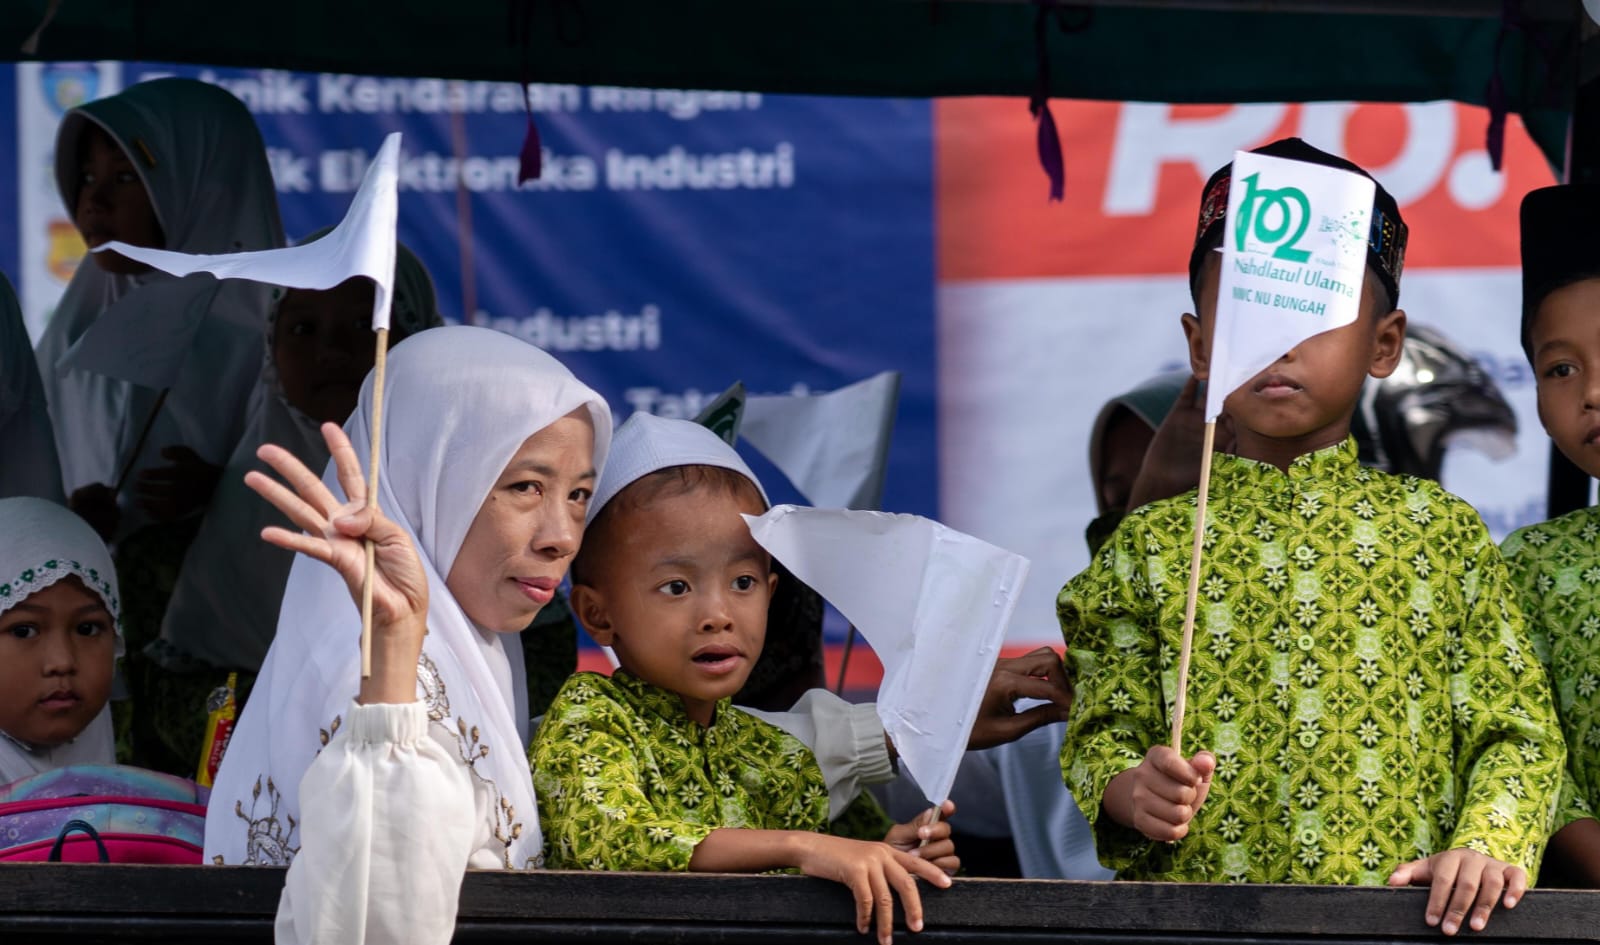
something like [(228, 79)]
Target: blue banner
[(676, 242)]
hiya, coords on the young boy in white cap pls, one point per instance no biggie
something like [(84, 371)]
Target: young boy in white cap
[(653, 768)]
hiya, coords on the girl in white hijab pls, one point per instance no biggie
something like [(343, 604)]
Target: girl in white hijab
[(59, 640), (490, 453), (198, 157), (224, 610), (30, 466)]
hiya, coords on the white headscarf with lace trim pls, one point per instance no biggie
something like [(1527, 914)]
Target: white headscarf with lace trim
[(42, 543)]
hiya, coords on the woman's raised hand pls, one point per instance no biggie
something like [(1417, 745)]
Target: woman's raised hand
[(334, 534)]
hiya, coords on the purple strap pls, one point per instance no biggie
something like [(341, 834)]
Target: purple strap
[(1495, 140), (1499, 106), (519, 23), (532, 161), (1050, 151), (1049, 139)]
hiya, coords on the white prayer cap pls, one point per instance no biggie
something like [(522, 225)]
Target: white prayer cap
[(647, 443)]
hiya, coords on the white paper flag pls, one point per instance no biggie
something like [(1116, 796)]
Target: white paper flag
[(834, 447), (1294, 253), (933, 603), (363, 244)]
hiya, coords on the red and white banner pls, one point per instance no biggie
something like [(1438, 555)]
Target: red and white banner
[(1048, 310)]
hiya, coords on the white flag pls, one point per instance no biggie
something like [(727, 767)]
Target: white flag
[(363, 244), (834, 447), (1294, 253), (933, 603)]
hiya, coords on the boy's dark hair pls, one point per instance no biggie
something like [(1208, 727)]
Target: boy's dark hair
[(663, 483), (1386, 240), (1560, 226)]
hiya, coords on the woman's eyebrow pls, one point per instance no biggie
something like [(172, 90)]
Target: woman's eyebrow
[(548, 472)]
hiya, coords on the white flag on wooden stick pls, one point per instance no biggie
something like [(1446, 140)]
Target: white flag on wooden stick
[(933, 602), (1294, 254), (363, 244)]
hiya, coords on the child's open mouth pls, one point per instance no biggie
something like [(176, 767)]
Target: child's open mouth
[(717, 659)]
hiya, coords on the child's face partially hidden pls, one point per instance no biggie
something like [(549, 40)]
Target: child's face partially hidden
[(1565, 338), (1303, 402), (682, 594), (112, 202), (1127, 440), (322, 346), (57, 651)]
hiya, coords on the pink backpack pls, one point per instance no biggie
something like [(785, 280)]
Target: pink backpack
[(103, 813)]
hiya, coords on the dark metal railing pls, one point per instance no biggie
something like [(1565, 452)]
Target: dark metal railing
[(47, 903)]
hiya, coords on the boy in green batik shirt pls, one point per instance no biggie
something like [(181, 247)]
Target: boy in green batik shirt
[(1556, 564), (654, 768), (1368, 703)]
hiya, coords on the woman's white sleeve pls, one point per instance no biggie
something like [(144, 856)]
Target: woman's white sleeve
[(388, 825), (847, 739)]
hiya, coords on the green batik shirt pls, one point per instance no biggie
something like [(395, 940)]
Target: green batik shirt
[(1360, 670), (1556, 566), (627, 781)]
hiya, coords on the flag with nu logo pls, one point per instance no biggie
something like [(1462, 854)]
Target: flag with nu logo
[(1294, 252)]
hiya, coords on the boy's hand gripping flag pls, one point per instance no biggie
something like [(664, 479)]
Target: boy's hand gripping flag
[(363, 244), (933, 602), (1294, 254)]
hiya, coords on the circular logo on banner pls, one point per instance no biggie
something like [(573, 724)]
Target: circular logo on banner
[(66, 85)]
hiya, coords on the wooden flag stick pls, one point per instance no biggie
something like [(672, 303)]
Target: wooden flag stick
[(379, 359), (930, 823), (1194, 589)]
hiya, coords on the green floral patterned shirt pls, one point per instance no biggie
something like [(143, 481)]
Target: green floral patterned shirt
[(1360, 670), (1556, 566), (627, 781)]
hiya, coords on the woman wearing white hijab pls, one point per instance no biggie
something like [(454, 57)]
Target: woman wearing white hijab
[(490, 452), (200, 158), (30, 467), (42, 544)]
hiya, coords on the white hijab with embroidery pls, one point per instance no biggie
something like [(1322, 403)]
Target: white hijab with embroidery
[(203, 163), (224, 610), (42, 543), (461, 402)]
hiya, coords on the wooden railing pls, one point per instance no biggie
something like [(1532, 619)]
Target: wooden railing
[(46, 903)]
